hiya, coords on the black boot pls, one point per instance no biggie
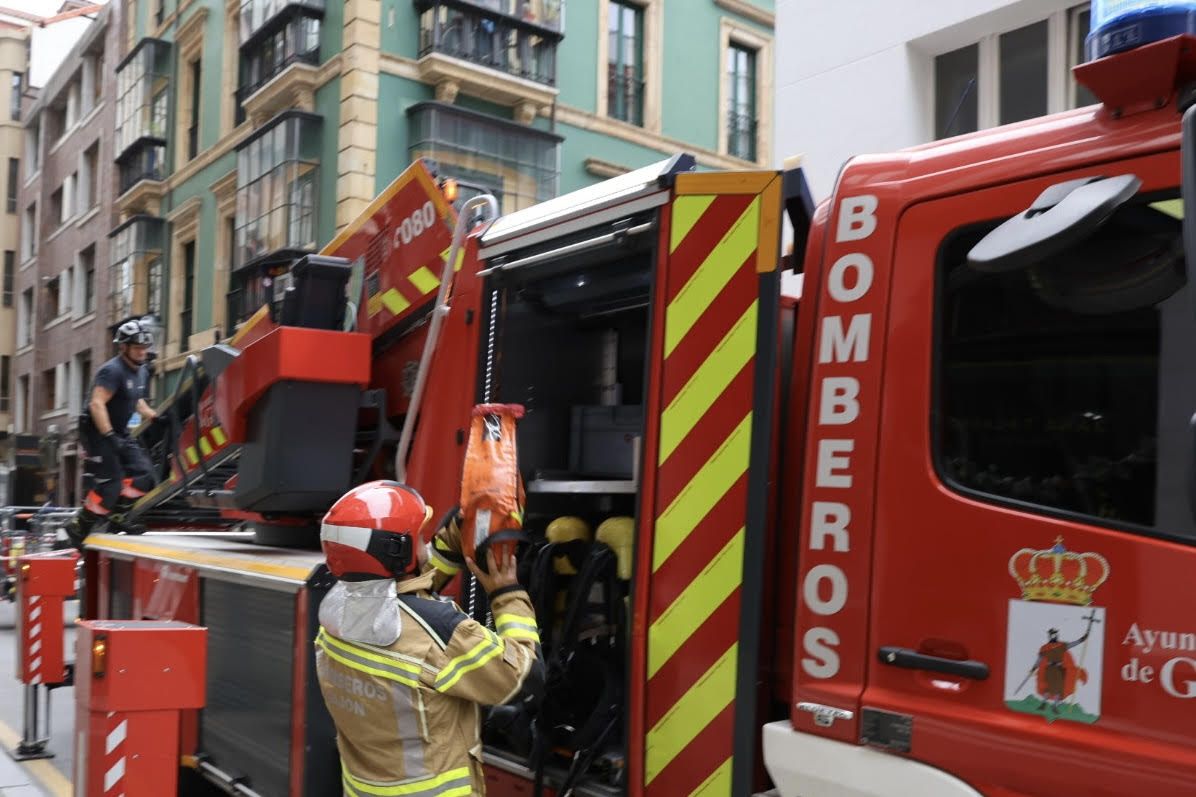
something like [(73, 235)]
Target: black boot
[(78, 527)]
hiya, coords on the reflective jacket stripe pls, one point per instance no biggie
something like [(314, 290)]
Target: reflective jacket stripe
[(438, 561), (516, 626), (454, 783), (481, 653), (362, 660)]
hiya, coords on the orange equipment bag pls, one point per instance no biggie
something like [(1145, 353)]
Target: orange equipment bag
[(492, 496)]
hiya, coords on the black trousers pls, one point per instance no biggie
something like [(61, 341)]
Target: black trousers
[(121, 469)]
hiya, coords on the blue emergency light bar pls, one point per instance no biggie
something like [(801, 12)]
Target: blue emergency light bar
[(1120, 25)]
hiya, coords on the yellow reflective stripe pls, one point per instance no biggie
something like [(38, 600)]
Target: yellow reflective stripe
[(466, 663), (454, 783), (389, 660), (440, 563), (721, 366), (510, 632), (424, 280), (696, 603), (362, 660), (718, 783), (192, 457), (686, 212), (516, 626), (394, 301), (205, 446), (696, 709), (219, 436), (711, 277), (704, 490)]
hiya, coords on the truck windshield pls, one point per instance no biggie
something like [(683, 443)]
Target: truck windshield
[(1067, 387)]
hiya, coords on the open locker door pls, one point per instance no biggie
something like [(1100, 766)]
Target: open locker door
[(709, 418)]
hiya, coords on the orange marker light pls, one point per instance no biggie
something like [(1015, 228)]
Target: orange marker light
[(99, 656), (450, 189)]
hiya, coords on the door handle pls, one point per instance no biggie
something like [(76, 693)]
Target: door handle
[(913, 660)]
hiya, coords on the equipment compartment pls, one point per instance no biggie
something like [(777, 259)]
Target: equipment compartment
[(570, 344)]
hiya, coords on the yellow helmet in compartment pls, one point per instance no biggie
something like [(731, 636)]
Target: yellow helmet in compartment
[(566, 529), (619, 534)]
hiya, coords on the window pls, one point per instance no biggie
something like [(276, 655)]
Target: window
[(29, 233), (625, 70), (193, 126), (1011, 75), (10, 258), (135, 249), (33, 146), (53, 299), (25, 318), (57, 208), (1081, 23), (1064, 386), (50, 392), (82, 379), (5, 383), (515, 162), (297, 42), (741, 122), (515, 40), (66, 295), (87, 268), (955, 104), (260, 16), (14, 102), (142, 100), (70, 196), (90, 178), (277, 176), (1023, 73), (14, 171), (185, 317), (22, 420)]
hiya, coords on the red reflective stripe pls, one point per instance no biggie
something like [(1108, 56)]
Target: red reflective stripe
[(94, 503), (129, 491)]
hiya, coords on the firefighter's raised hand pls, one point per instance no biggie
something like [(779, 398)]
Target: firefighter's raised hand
[(498, 575)]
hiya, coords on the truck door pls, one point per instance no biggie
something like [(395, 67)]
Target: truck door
[(1031, 630)]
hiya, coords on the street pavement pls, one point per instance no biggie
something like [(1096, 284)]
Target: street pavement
[(44, 777)]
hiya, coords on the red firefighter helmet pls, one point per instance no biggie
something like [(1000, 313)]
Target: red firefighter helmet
[(371, 531)]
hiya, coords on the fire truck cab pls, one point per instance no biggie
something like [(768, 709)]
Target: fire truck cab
[(916, 531), (993, 415)]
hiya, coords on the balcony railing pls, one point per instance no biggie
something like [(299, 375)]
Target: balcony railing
[(624, 96), (259, 16), (483, 34), (741, 135), (142, 163), (247, 90)]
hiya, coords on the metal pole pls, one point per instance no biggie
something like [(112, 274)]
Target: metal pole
[(437, 318)]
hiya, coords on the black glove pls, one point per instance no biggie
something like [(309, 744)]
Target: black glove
[(111, 443)]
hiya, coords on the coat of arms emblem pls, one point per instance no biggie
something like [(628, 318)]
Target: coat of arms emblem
[(1054, 652)]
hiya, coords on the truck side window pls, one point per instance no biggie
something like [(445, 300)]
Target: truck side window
[(1063, 388)]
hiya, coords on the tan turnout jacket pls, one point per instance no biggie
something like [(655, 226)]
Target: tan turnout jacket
[(408, 714)]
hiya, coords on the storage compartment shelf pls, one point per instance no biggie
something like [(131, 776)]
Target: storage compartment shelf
[(583, 487)]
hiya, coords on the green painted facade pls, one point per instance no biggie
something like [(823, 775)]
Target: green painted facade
[(689, 105)]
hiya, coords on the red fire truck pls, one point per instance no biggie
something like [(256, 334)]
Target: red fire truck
[(921, 530)]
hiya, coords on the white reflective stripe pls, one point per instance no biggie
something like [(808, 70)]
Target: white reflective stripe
[(117, 736), (353, 536), (114, 774), (36, 646), (35, 613), (34, 630)]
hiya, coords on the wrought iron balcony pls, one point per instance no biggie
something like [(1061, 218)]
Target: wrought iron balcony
[(517, 37), (624, 95), (142, 163), (741, 135)]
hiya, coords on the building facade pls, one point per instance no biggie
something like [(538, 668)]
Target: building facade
[(14, 63), (250, 131), (872, 76), (64, 208)]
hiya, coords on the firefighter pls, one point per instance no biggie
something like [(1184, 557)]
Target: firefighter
[(121, 467), (404, 674)]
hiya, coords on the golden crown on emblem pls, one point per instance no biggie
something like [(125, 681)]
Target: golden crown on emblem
[(1057, 574)]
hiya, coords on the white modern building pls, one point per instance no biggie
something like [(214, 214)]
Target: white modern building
[(860, 76)]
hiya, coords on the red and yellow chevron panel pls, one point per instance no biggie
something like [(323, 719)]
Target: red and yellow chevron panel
[(402, 240), (722, 234)]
